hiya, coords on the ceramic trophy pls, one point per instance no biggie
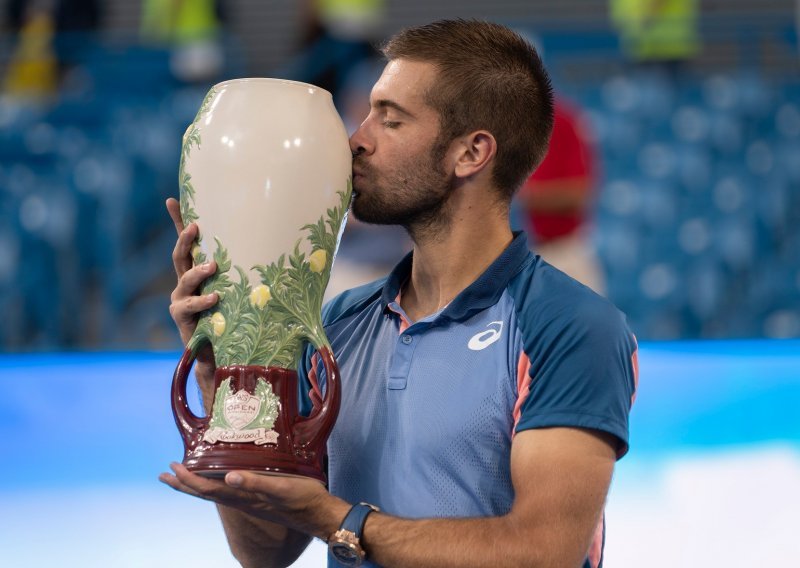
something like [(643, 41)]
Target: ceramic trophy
[(266, 173)]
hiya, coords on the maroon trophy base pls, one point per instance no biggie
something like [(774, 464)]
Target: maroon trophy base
[(287, 444), (216, 460)]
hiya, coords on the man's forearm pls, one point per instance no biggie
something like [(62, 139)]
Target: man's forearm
[(461, 543), (260, 544)]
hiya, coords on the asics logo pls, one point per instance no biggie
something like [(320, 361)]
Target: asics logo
[(484, 339)]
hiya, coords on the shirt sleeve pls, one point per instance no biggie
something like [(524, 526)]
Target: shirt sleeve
[(582, 370)]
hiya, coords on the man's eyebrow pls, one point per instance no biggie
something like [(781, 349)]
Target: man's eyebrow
[(384, 103)]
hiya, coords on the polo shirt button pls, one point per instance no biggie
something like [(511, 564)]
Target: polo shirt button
[(407, 339)]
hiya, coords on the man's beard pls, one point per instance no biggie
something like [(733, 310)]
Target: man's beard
[(414, 196)]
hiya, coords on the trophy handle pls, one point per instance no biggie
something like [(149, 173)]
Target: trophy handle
[(316, 428), (188, 423)]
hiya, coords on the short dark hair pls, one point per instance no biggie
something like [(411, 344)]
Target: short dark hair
[(489, 78)]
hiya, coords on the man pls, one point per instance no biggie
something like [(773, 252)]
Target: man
[(485, 395)]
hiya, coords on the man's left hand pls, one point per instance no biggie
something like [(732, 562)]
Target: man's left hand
[(299, 503)]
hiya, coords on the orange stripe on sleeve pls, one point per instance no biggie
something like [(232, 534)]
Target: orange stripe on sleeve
[(523, 387)]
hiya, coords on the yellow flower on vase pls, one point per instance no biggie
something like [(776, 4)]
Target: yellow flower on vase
[(260, 296), (218, 323), (317, 260)]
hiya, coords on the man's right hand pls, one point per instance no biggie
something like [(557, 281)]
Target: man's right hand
[(185, 303)]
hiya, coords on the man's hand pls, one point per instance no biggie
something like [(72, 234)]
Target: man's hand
[(299, 503), (185, 303)]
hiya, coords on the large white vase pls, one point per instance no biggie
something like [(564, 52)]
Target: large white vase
[(266, 174)]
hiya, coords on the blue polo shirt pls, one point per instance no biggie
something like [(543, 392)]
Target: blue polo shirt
[(430, 407)]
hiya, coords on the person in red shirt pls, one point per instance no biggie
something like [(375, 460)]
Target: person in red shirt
[(558, 197)]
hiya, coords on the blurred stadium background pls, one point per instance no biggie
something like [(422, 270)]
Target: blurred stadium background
[(696, 223)]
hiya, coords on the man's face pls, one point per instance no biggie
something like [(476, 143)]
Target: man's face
[(398, 172)]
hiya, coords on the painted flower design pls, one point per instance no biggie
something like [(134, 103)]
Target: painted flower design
[(260, 296), (265, 323), (317, 260), (218, 324)]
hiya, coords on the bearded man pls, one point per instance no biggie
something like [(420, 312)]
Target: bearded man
[(485, 394)]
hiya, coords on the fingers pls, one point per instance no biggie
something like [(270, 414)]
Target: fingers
[(277, 489), (190, 281), (184, 311), (195, 485), (174, 210), (182, 253), (176, 484), (301, 504), (185, 304), (186, 482), (214, 490)]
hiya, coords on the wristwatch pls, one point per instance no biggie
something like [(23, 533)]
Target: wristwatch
[(345, 543)]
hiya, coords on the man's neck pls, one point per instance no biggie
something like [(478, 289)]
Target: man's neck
[(445, 264)]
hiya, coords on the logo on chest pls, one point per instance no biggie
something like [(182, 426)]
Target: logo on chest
[(484, 339)]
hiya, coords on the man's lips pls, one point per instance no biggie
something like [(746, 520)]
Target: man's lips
[(360, 176), (359, 168)]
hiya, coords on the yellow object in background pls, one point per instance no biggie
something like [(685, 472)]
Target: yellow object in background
[(353, 19), (657, 30), (33, 69), (179, 21)]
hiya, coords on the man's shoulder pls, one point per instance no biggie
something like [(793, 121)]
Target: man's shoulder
[(546, 298), (352, 301)]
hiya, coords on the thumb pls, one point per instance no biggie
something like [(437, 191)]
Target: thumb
[(249, 481)]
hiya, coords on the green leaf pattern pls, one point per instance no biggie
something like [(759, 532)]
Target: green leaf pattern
[(218, 411), (269, 332), (192, 138)]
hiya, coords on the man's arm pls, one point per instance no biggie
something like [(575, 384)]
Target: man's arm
[(261, 544), (561, 478)]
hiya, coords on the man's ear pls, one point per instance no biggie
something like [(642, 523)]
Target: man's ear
[(474, 153)]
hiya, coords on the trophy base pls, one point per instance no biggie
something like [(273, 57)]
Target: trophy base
[(214, 461), (220, 474), (254, 424)]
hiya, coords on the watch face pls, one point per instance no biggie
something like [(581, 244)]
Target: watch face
[(346, 554)]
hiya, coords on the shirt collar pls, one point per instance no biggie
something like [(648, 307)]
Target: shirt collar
[(485, 291)]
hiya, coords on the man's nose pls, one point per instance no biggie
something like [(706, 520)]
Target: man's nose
[(359, 143)]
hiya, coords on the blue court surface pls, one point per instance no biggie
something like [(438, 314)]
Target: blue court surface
[(712, 478)]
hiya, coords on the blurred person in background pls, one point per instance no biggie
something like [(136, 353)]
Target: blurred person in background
[(338, 35), (558, 199), (192, 29), (49, 36), (658, 33), (485, 394)]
